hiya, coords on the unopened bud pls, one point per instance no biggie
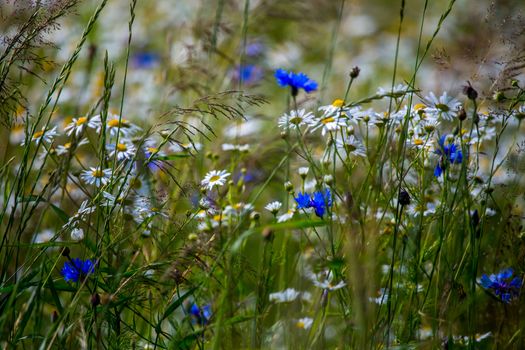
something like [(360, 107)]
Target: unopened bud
[(354, 73)]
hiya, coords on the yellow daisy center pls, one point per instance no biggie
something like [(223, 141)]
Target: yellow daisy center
[(214, 178), (81, 120), (113, 123), (338, 103), (153, 149), (418, 142), (38, 134), (328, 120), (97, 173), (121, 147), (300, 324), (419, 106)]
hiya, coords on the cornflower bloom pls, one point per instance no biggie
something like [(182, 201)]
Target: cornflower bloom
[(319, 200), (77, 268), (201, 315), (449, 152), (295, 81), (501, 285)]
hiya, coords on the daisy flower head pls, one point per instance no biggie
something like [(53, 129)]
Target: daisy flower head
[(324, 280), (77, 269), (64, 149), (96, 176), (45, 135), (295, 81), (295, 119), (329, 123), (215, 178), (351, 146), (123, 150), (76, 126), (273, 207), (398, 91), (445, 106), (114, 124), (336, 107), (285, 296), (304, 323)]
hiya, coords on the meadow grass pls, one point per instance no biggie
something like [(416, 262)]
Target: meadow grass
[(193, 189)]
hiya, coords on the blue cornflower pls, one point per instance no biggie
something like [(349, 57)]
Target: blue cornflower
[(319, 200), (249, 73), (501, 285), (145, 60), (295, 80), (202, 315), (303, 200), (77, 268), (449, 153)]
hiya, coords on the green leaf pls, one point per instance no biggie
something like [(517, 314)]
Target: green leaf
[(60, 213)]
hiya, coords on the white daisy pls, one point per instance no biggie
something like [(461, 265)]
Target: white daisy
[(123, 150), (215, 178), (295, 119), (336, 108), (230, 147), (286, 216), (44, 236), (324, 280), (445, 106), (96, 176), (273, 207), (63, 149), (329, 123), (304, 323), (113, 125), (285, 296), (76, 126), (350, 145), (43, 135), (398, 91)]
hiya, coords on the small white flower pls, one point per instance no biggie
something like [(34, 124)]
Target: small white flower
[(231, 147), (295, 119), (64, 149), (303, 171), (286, 216), (76, 126), (44, 236), (445, 106), (273, 207), (285, 296), (123, 150), (351, 146), (43, 135), (304, 323), (113, 124), (329, 123), (77, 234), (96, 176), (324, 280), (398, 91), (215, 178)]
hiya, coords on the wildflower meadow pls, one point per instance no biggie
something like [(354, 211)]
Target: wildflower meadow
[(262, 174)]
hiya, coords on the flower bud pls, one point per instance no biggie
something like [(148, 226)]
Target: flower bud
[(354, 73)]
